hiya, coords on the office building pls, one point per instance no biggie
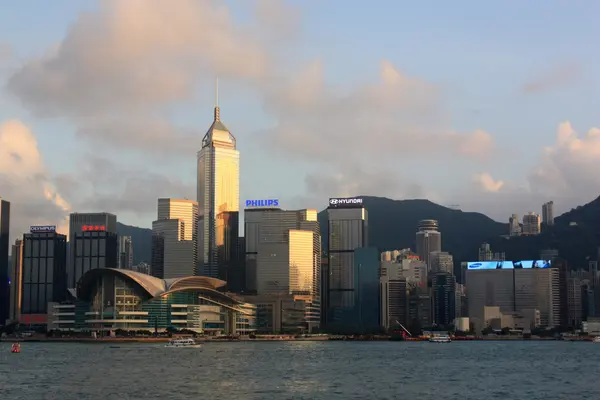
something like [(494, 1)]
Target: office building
[(429, 240), (441, 261), (174, 240), (514, 227), (394, 292), (16, 280), (283, 257), (531, 224), (92, 244), (366, 294), (443, 285), (218, 182), (514, 290), (44, 272), (548, 213), (413, 269), (90, 233), (539, 289), (4, 247), (125, 252), (348, 231)]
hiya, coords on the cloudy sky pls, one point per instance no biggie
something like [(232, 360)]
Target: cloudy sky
[(493, 107)]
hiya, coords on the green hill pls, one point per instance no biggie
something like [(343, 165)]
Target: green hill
[(575, 234), (393, 225)]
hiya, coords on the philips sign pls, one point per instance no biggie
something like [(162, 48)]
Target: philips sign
[(43, 229), (262, 203), (353, 202)]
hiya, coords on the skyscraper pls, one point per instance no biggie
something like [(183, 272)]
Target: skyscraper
[(348, 231), (548, 213), (125, 252), (174, 239), (44, 271), (444, 298), (93, 244), (4, 244), (429, 239), (218, 182), (16, 280), (283, 257)]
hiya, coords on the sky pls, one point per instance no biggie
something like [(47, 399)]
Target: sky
[(491, 106)]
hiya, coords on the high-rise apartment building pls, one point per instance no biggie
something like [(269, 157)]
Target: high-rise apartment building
[(531, 224), (548, 213), (16, 280), (4, 246), (44, 271), (174, 239), (93, 244), (486, 254), (514, 227), (348, 231), (218, 182), (429, 240), (283, 256), (125, 252)]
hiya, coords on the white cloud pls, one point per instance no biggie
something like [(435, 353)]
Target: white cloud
[(25, 182), (118, 69), (488, 183)]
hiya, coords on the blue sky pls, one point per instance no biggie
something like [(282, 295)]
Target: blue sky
[(479, 55)]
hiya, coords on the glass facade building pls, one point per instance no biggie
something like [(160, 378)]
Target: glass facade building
[(218, 180), (348, 231), (43, 272), (443, 285), (4, 247), (92, 244), (283, 257), (109, 299)]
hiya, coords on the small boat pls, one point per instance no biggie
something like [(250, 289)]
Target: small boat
[(189, 343), (440, 339), (15, 348), (596, 339)]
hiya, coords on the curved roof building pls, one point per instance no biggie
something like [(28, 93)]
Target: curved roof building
[(109, 298)]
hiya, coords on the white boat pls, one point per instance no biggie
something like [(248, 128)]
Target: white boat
[(596, 339), (188, 343), (440, 339)]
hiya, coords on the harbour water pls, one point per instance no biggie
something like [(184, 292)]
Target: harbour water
[(302, 370)]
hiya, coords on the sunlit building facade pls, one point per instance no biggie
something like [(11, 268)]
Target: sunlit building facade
[(110, 299), (218, 179), (283, 257), (174, 239)]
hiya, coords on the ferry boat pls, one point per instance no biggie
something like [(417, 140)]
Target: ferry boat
[(596, 339), (189, 343), (15, 348), (440, 339)]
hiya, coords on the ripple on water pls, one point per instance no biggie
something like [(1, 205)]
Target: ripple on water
[(301, 370)]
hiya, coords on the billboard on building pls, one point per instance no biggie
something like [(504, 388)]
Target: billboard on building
[(351, 202), (521, 264)]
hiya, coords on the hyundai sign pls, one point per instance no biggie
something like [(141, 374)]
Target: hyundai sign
[(352, 202), (42, 229), (269, 203)]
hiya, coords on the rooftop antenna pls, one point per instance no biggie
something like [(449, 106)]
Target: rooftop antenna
[(217, 110)]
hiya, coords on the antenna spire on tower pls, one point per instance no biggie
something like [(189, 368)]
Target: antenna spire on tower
[(217, 110)]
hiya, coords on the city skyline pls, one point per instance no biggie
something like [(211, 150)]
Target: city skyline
[(300, 116)]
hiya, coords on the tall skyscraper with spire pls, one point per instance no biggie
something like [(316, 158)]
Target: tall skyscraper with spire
[(218, 194)]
